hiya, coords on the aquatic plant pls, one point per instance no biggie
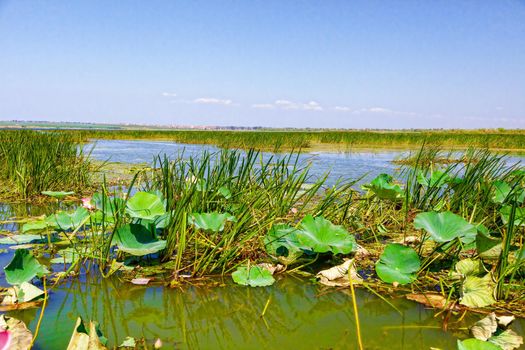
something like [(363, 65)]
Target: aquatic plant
[(137, 240), (384, 187), (253, 276), (445, 227), (321, 236), (33, 162), (398, 264), (23, 268)]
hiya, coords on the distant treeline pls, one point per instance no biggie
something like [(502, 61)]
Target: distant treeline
[(286, 140)]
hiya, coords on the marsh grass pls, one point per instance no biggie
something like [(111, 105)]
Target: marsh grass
[(32, 162), (279, 140)]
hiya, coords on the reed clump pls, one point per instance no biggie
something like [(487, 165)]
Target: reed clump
[(32, 162)]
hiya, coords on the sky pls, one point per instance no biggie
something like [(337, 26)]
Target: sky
[(282, 63)]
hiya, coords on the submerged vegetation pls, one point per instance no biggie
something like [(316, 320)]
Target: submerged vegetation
[(32, 162), (447, 235), (276, 140)]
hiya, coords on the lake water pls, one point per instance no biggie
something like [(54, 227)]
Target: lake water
[(300, 315)]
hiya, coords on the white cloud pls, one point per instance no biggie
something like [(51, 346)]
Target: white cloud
[(263, 106), (169, 94), (212, 101), (290, 105), (382, 110), (342, 109)]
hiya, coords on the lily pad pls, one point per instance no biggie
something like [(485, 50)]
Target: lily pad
[(321, 236), (254, 276), (445, 227), (210, 221), (23, 268), (58, 194), (137, 240), (144, 205), (383, 187), (398, 263), (23, 239)]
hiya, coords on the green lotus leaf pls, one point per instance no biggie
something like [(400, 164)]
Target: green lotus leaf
[(445, 227), (211, 221), (437, 179), (23, 268), (108, 205), (281, 240), (321, 236), (98, 218), (477, 291), (383, 187), (502, 190), (58, 194), (69, 221), (40, 225), (255, 276), (488, 247), (23, 239), (476, 344), (519, 216), (137, 240), (398, 263), (145, 205)]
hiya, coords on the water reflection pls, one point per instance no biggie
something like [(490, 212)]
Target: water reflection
[(229, 317)]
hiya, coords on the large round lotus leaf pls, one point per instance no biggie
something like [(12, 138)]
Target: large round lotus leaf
[(137, 240), (282, 240), (384, 188), (436, 179), (321, 236), (476, 344), (210, 221), (398, 263), (256, 276), (145, 205), (69, 221), (106, 204), (478, 292), (445, 226), (58, 194), (23, 268)]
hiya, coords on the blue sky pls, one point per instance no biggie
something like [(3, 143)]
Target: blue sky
[(345, 64)]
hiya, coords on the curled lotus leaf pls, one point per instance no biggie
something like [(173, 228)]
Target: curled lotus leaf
[(137, 240), (144, 205), (23, 268), (214, 222)]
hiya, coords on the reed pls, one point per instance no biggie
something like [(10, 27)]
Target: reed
[(32, 162)]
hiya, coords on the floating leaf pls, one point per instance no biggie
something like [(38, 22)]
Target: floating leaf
[(383, 187), (254, 276), (210, 221), (321, 236), (477, 291), (137, 240), (58, 194), (398, 263), (23, 239), (445, 227), (470, 267), (23, 268), (144, 205)]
